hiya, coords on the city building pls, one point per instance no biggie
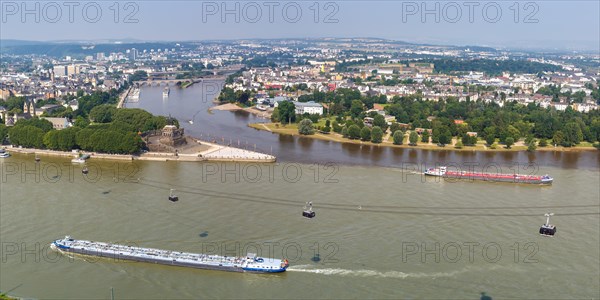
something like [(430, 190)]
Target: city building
[(60, 71), (310, 107), (58, 123)]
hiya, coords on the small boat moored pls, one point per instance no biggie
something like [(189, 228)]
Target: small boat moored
[(81, 159), (4, 153), (261, 107)]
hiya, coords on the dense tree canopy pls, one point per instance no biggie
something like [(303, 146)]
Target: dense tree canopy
[(63, 140), (27, 136), (413, 138), (306, 127), (491, 66), (103, 113), (14, 104), (42, 124), (287, 111), (88, 102), (229, 95), (365, 134), (376, 134), (138, 75), (491, 121), (3, 133), (398, 137), (114, 130), (354, 132)]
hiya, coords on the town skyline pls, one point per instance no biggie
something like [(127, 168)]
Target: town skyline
[(108, 41)]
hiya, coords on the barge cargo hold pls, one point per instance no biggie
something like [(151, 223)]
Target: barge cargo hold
[(494, 177), (249, 263)]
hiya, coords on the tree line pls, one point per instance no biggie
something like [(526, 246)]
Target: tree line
[(490, 66)]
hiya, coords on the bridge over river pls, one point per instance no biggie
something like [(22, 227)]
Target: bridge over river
[(169, 81)]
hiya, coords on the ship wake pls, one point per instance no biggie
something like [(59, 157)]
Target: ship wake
[(368, 273)]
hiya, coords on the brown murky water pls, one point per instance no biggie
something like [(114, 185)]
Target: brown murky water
[(381, 231)]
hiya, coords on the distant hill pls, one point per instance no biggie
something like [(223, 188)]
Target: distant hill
[(11, 43), (77, 49), (477, 48), (84, 48)]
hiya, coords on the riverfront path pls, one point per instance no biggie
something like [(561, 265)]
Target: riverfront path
[(123, 97), (197, 150), (227, 153)]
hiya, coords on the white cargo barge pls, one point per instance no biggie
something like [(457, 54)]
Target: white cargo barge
[(248, 263)]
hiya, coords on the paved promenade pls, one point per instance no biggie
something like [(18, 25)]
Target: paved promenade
[(197, 151), (226, 153)]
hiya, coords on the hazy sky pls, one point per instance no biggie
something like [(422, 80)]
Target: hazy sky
[(547, 24)]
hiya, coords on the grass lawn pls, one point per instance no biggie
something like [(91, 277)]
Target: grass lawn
[(585, 144), (323, 120)]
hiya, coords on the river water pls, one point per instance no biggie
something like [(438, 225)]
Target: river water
[(381, 230)]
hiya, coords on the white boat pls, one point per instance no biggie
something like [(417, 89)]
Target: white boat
[(4, 153), (261, 107), (166, 92), (134, 96), (81, 159)]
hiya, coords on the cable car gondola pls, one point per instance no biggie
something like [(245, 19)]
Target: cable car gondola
[(548, 229), (308, 213), (316, 258), (172, 197)]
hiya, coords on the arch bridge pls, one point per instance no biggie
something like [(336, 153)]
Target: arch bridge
[(166, 82)]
